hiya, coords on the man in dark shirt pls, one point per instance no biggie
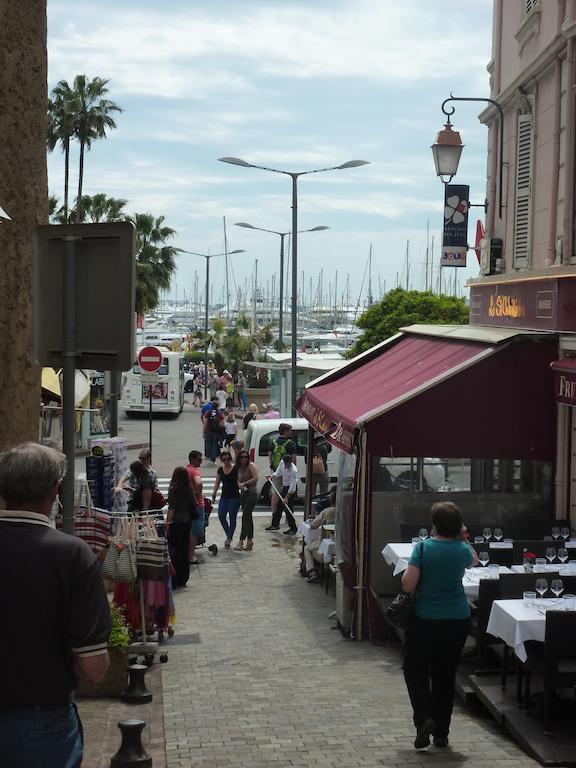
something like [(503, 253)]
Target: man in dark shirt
[(57, 618)]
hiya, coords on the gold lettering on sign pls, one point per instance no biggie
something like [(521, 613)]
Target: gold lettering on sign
[(505, 306)]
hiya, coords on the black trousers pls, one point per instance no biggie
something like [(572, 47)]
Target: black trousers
[(248, 503), (282, 508), (431, 654), (179, 540)]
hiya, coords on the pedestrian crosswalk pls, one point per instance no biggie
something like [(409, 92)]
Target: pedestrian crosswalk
[(208, 485)]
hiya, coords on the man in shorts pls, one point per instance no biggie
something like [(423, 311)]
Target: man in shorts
[(197, 528)]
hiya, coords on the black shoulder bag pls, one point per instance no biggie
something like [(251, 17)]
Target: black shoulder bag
[(401, 609)]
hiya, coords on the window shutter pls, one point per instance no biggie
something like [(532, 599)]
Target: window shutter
[(523, 206)]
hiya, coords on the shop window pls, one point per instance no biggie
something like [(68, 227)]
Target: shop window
[(437, 475)]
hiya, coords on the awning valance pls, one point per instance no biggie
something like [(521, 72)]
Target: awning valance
[(427, 396)]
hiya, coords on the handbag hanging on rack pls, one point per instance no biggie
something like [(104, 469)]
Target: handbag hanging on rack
[(120, 561), (401, 609), (152, 554), (92, 525)]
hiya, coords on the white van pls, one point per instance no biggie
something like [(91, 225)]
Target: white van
[(258, 441), (167, 394)]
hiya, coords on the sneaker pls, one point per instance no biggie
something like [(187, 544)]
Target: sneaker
[(272, 528), (291, 531), (440, 741), (422, 739)]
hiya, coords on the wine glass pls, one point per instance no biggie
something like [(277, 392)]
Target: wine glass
[(550, 554), (484, 558), (557, 587), (562, 555), (541, 586), (565, 533), (555, 532), (423, 533), (487, 533), (498, 534)]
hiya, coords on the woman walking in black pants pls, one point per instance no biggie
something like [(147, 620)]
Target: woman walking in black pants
[(439, 627), (181, 511), (247, 480)]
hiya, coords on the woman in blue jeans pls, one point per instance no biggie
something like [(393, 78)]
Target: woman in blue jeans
[(230, 499), (438, 629)]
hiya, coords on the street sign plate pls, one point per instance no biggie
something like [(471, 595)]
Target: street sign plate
[(150, 359), (150, 378)]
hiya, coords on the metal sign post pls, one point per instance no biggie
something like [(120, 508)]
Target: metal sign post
[(150, 361)]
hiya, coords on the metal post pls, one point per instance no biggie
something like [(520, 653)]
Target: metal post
[(68, 382), (294, 319), (150, 420), (115, 384), (206, 327), (309, 462), (281, 303)]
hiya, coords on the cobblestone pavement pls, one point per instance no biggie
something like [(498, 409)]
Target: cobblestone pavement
[(258, 676)]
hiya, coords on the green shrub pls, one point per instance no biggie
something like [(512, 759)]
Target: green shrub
[(119, 632)]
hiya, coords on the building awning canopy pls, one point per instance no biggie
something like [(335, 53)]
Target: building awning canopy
[(420, 395)]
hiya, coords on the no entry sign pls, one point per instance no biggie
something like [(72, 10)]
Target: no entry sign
[(150, 359)]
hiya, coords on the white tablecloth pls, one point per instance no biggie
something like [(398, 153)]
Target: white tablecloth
[(564, 570), (472, 576), (515, 623), (327, 549), (309, 534), (398, 555)]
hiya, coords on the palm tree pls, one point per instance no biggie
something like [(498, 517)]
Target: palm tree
[(100, 207), (155, 260), (61, 129), (92, 117), (242, 343)]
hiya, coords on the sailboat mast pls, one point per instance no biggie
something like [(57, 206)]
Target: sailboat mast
[(370, 301), (427, 253), (226, 262), (407, 264)]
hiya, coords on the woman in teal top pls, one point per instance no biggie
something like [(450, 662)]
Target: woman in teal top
[(439, 627)]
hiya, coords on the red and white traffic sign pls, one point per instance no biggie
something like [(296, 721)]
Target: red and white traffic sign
[(150, 359)]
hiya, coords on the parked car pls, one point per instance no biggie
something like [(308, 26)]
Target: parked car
[(258, 441)]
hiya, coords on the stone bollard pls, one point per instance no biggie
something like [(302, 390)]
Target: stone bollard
[(137, 693), (131, 753)]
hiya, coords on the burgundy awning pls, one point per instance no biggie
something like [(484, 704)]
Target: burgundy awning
[(429, 396)]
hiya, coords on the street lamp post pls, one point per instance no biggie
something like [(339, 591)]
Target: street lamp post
[(281, 303), (207, 256), (448, 146), (294, 175)]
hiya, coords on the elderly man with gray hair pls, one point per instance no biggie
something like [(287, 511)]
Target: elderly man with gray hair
[(57, 619)]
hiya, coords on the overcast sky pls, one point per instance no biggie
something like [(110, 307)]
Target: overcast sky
[(293, 85)]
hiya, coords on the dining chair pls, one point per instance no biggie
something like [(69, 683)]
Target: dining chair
[(497, 556), (409, 531), (537, 547), (489, 590), (554, 660), (513, 586)]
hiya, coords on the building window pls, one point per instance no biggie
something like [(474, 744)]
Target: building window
[(523, 204)]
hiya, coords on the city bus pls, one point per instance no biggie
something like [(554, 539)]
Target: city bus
[(167, 393)]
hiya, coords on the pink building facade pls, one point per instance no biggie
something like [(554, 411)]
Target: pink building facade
[(529, 262)]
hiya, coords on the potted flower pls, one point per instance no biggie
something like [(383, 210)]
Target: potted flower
[(114, 682), (528, 559)]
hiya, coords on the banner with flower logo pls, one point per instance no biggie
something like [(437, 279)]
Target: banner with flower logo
[(455, 235)]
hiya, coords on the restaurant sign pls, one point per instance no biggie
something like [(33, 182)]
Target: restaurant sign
[(455, 234), (340, 435), (547, 304), (565, 380)]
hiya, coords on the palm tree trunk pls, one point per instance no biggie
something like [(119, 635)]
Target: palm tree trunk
[(79, 214), (24, 195), (66, 177)]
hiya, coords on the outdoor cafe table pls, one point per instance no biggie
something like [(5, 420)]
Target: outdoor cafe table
[(564, 570), (515, 623), (327, 549), (398, 554), (309, 534)]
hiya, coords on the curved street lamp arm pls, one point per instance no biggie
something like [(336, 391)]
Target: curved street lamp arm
[(449, 111)]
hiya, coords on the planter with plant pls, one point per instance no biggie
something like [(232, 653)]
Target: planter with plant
[(114, 682)]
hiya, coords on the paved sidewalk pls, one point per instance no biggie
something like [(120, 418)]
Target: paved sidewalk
[(258, 676)]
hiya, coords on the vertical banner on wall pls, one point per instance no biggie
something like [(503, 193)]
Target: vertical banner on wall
[(455, 235)]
